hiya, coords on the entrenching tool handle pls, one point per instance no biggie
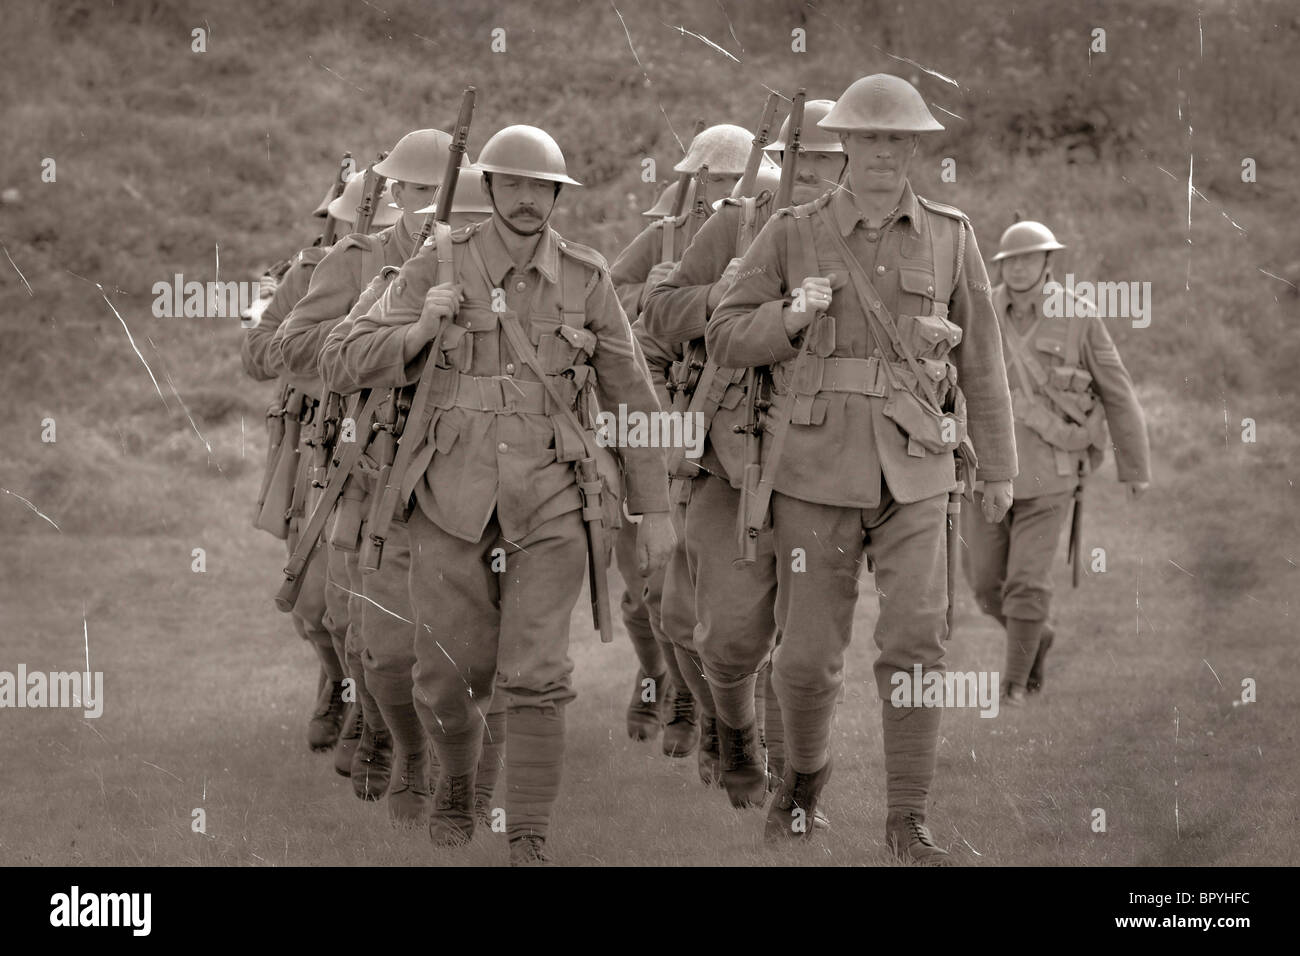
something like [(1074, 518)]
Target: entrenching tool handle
[(589, 484)]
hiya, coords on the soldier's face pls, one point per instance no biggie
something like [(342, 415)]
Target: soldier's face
[(817, 172), (720, 184), (878, 161), (523, 202), (412, 196), (1022, 273)]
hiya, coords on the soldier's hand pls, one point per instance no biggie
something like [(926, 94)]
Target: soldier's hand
[(814, 296), (655, 541), (1136, 489), (266, 287), (440, 303), (719, 288), (996, 501)]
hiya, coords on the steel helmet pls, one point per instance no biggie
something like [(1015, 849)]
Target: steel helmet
[(769, 177), (469, 195), (344, 208), (1026, 236), (419, 157), (811, 138), (723, 148), (322, 209), (667, 199), (524, 151), (880, 103)]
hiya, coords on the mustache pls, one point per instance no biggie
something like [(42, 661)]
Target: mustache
[(525, 212)]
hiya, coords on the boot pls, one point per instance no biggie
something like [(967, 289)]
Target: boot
[(372, 764), (529, 850), (710, 759), (741, 765), (327, 718), (452, 821), (1022, 648), (353, 722), (908, 838), (1035, 681), (682, 729), (409, 797), (794, 809), (408, 801), (644, 717)]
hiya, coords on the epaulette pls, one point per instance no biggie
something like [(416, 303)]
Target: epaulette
[(582, 253), (464, 232), (943, 209), (355, 240), (818, 203)]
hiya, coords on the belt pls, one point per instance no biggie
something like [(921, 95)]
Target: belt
[(861, 376), (499, 393)]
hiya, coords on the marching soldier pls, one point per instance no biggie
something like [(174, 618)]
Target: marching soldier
[(380, 643), (1068, 383), (870, 304), (312, 617), (497, 541), (734, 607), (661, 691)]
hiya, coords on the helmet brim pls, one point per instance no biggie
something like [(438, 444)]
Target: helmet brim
[(526, 173)]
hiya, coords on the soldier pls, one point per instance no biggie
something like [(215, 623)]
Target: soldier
[(661, 691), (663, 206), (311, 617), (734, 607), (496, 537), (380, 649), (868, 435), (386, 640), (1068, 383)]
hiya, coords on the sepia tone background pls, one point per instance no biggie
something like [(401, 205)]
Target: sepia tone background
[(171, 161)]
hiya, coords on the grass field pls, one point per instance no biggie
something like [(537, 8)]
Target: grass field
[(169, 159)]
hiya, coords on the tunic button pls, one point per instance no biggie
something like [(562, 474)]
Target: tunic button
[(503, 447), (880, 269), (521, 286), (510, 368)]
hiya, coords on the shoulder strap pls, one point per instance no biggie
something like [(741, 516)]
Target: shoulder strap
[(573, 293), (524, 349), (442, 244), (1074, 335)]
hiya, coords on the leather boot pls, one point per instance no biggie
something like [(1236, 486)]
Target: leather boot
[(795, 806)]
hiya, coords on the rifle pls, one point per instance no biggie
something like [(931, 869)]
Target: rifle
[(1076, 530), (393, 470), (753, 381), (757, 482), (372, 190), (679, 206), (275, 428), (330, 234), (309, 536), (323, 437), (277, 504), (761, 138)]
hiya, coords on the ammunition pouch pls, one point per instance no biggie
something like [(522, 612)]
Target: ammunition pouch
[(349, 512), (928, 428)]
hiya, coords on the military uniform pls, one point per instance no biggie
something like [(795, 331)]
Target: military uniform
[(850, 478), (1009, 564), (728, 629), (318, 617), (493, 470)]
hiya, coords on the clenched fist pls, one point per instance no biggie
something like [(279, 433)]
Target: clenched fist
[(655, 541), (814, 296), (996, 501)]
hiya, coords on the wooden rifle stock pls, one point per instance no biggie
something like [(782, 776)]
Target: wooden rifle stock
[(372, 191), (790, 162), (393, 471), (750, 178), (330, 235)]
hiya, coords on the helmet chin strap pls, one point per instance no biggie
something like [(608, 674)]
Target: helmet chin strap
[(510, 225)]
